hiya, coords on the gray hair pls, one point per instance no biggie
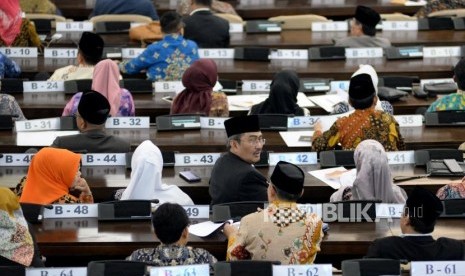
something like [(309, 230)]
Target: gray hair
[(236, 137)]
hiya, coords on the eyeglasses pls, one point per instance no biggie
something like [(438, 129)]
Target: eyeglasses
[(256, 141)]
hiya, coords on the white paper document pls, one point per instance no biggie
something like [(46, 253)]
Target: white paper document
[(335, 177), (205, 228), (297, 138), (40, 138), (244, 102), (327, 102)]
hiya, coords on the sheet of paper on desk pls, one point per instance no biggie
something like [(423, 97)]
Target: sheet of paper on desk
[(205, 228), (244, 102), (335, 177), (297, 138), (40, 138), (327, 102)]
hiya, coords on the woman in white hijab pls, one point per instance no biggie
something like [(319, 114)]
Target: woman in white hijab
[(146, 178), (373, 179)]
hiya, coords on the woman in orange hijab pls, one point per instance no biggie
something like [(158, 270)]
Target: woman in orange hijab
[(52, 174)]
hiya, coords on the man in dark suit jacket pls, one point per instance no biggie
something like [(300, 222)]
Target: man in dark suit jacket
[(233, 177), (92, 113), (417, 224), (206, 29)]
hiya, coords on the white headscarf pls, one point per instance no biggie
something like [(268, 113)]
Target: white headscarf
[(368, 69), (146, 178), (373, 180)]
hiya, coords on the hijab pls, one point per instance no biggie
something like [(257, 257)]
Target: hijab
[(16, 243), (106, 81), (373, 179), (50, 175), (283, 95), (199, 80), (11, 19), (146, 178)]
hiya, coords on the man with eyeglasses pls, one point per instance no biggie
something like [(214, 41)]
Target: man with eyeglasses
[(363, 30), (234, 178), (91, 115)]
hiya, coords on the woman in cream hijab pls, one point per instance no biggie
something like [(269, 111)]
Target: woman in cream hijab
[(146, 178), (373, 179)]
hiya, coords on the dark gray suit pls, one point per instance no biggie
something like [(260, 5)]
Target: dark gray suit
[(207, 30), (233, 179), (93, 141), (417, 248)]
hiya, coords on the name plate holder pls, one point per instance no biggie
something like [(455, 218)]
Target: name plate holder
[(131, 52), (195, 159), (16, 159), (436, 52), (343, 85), (216, 53), (72, 211), (167, 86), (311, 208), (437, 268), (43, 86), (61, 271), (60, 52), (75, 26), (128, 122), (256, 85), (298, 158), (288, 54), (401, 157), (236, 28), (197, 211), (372, 52), (203, 269), (302, 121), (384, 210), (104, 159), (20, 52), (409, 120), (411, 25), (212, 122), (331, 26), (304, 270), (38, 125)]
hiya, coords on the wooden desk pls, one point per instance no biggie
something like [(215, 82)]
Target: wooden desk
[(261, 9), (206, 140), (337, 69), (71, 240), (104, 181)]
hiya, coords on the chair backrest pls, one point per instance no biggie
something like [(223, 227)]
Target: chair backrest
[(74, 86), (245, 268), (336, 158), (444, 118), (116, 268), (33, 212), (231, 18), (423, 156), (137, 86), (448, 13), (39, 18), (13, 270), (370, 267), (12, 86), (397, 16), (125, 210), (298, 22), (235, 210), (354, 211), (453, 207)]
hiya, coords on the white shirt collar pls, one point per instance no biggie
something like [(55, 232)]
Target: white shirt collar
[(199, 9), (416, 235)]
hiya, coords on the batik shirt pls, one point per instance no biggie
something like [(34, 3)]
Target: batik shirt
[(9, 106), (8, 68), (361, 125), (166, 59), (172, 255), (455, 101), (281, 232), (438, 5)]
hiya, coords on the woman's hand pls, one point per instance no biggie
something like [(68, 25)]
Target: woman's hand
[(81, 185)]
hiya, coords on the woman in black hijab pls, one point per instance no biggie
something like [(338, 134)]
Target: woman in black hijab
[(283, 96)]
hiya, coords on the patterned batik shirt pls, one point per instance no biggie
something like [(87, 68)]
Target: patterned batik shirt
[(455, 101), (281, 232), (8, 68), (166, 59), (361, 125), (172, 255)]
